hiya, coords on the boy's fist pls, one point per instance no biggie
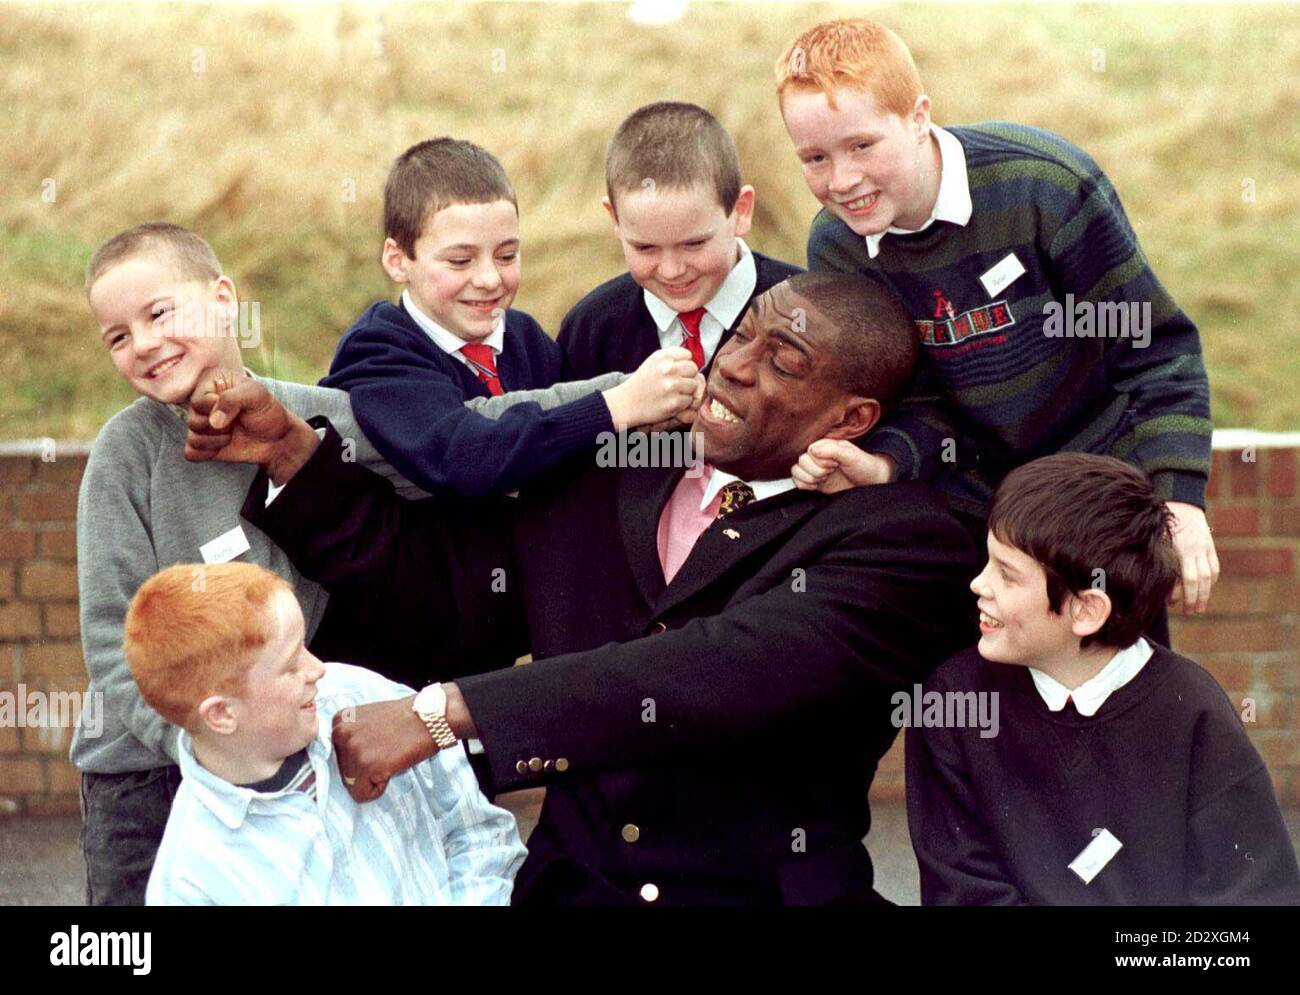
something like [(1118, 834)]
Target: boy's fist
[(663, 387), (833, 465)]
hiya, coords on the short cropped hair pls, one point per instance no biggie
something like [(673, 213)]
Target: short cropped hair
[(435, 174), (1092, 521), (191, 632), (876, 349), (854, 53), (193, 257), (676, 145)]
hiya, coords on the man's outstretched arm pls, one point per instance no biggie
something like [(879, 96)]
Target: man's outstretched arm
[(444, 568), (865, 616)]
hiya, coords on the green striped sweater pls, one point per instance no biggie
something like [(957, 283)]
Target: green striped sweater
[(1085, 351)]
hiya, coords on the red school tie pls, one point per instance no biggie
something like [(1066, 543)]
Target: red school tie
[(691, 334), (484, 364)]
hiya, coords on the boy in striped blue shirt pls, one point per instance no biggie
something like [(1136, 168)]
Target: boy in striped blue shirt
[(261, 817)]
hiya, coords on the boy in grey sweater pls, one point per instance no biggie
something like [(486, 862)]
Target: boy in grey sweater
[(170, 318)]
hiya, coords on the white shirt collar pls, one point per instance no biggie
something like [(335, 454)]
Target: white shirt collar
[(953, 201), (725, 306), (447, 341), (761, 488), (1089, 696)]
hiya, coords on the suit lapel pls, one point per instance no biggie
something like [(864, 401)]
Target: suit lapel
[(642, 494), (725, 543)]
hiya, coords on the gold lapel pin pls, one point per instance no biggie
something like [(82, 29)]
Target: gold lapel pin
[(731, 533)]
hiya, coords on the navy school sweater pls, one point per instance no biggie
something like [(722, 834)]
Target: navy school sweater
[(994, 377), (612, 331), (1165, 766), (408, 397)]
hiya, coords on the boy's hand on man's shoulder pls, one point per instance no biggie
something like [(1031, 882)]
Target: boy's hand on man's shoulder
[(235, 419)]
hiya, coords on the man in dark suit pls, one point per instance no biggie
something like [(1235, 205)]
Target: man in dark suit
[(708, 699)]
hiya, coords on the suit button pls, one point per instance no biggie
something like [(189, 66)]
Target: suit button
[(535, 764), (562, 765), (522, 766), (631, 833), (657, 628), (649, 892), (548, 766)]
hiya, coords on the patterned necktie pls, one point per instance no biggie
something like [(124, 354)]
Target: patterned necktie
[(691, 334), (735, 496), (484, 364)]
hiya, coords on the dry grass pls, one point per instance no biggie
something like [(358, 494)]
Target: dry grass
[(297, 105)]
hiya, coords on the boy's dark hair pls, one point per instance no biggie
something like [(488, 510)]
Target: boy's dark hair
[(877, 349), (1076, 514), (193, 256), (675, 145), (435, 174)]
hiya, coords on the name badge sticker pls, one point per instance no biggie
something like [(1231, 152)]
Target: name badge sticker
[(1095, 856), (1003, 275), (226, 547)]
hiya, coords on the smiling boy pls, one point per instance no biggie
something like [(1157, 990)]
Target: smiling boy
[(165, 310), (261, 817), (166, 315), (674, 193), (1120, 774), (986, 231), (451, 225)]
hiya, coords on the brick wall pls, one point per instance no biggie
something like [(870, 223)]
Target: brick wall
[(1249, 640), (40, 641)]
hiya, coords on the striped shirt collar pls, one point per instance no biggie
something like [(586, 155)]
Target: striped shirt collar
[(447, 341), (230, 802), (1092, 693), (725, 306), (953, 202)]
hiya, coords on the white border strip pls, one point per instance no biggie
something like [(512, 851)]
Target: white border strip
[(1240, 438)]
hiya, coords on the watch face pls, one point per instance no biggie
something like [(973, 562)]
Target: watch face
[(432, 701)]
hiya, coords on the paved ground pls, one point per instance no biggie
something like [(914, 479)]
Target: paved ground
[(40, 863)]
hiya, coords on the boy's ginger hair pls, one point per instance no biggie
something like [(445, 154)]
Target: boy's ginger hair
[(191, 632), (193, 257), (854, 53)]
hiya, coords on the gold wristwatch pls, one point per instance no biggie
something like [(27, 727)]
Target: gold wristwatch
[(431, 705)]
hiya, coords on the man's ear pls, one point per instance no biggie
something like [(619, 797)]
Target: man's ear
[(859, 417), (1089, 611), (608, 205), (393, 258), (216, 714), (744, 210)]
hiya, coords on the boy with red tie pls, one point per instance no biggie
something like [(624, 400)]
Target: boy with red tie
[(452, 237), (674, 193)]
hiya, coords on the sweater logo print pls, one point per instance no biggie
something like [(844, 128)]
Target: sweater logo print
[(957, 328)]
